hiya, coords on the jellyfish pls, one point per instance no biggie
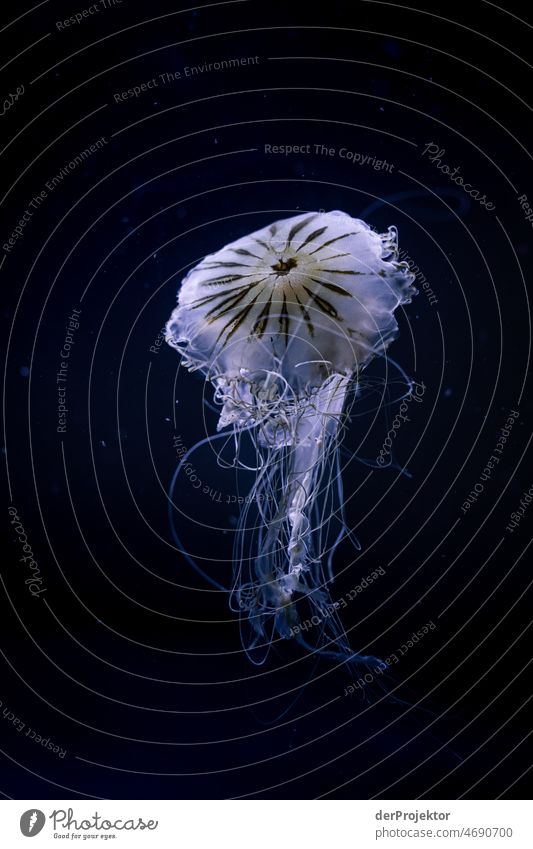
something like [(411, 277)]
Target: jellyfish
[(282, 323)]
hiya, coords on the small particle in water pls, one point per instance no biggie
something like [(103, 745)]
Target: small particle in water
[(102, 443), (448, 392), (24, 371)]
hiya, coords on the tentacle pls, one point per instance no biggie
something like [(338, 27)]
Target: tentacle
[(171, 507), (284, 565)]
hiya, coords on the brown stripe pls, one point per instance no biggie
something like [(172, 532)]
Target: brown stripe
[(306, 316), (199, 302), (297, 227), (325, 306), (284, 320), (340, 271), (230, 303), (332, 287), (335, 256), (221, 309), (228, 278), (237, 321), (314, 235), (211, 265), (262, 319), (244, 252), (336, 239)]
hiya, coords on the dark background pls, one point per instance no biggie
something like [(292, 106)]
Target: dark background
[(129, 660)]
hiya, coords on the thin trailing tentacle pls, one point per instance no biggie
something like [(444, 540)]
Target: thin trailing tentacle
[(279, 322), (171, 507), (284, 563)]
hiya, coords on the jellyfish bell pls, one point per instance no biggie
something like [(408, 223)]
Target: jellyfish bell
[(282, 322), (300, 287)]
